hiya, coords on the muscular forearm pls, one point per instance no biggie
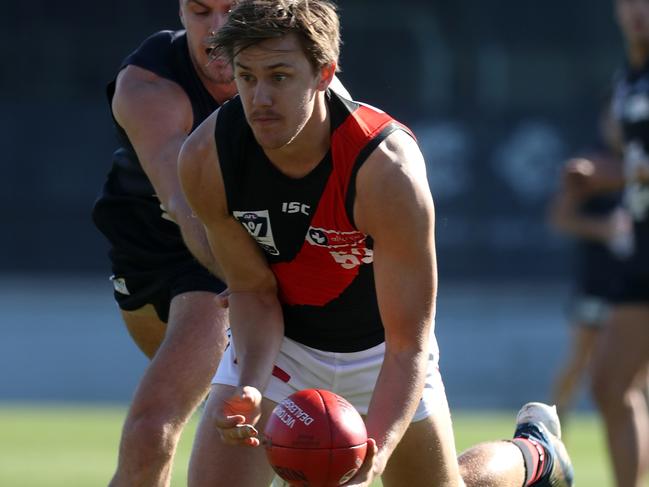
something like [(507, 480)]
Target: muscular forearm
[(195, 238), (590, 228), (257, 330), (396, 397), (194, 234)]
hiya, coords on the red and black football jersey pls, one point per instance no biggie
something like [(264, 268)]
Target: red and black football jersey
[(322, 263)]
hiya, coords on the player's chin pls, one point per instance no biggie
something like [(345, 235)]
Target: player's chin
[(221, 78)]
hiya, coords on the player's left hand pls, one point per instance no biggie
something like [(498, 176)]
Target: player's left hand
[(366, 473), (239, 413)]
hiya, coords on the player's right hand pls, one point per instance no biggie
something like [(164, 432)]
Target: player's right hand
[(577, 173), (366, 474), (237, 416)]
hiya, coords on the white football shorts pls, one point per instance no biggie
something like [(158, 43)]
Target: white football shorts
[(351, 375)]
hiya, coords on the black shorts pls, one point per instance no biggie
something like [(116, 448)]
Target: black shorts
[(150, 262), (633, 287)]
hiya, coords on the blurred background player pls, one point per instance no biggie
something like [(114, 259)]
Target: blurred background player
[(621, 357), (601, 230), (159, 253)]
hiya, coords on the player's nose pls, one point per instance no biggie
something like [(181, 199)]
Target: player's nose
[(262, 97)]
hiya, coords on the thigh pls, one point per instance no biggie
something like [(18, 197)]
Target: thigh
[(584, 340), (622, 353), (179, 375), (145, 328), (426, 455), (216, 464)]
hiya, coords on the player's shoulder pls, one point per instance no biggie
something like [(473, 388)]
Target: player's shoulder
[(201, 141), (396, 164), (161, 54), (159, 43), (150, 69), (399, 151)]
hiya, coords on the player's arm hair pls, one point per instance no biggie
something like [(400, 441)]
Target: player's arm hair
[(394, 206), (255, 312), (157, 116)]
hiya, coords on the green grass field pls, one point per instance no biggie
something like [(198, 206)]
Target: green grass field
[(60, 446)]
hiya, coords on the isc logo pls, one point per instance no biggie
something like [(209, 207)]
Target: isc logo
[(295, 207)]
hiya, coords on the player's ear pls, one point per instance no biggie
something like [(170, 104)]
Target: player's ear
[(327, 73), (180, 13)]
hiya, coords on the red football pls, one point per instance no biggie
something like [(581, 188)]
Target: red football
[(315, 438)]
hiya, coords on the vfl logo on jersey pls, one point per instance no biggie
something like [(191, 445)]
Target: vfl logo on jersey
[(257, 223), (346, 248)]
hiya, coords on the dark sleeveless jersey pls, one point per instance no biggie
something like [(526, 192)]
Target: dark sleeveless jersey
[(322, 263), (596, 263), (631, 108), (165, 54)]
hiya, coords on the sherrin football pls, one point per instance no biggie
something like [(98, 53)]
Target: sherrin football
[(315, 438)]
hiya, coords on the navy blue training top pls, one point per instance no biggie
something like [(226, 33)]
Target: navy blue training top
[(166, 54)]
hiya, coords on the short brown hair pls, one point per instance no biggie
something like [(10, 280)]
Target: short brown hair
[(315, 22)]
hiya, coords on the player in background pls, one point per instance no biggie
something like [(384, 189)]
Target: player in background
[(159, 252), (319, 210), (601, 230), (621, 357)]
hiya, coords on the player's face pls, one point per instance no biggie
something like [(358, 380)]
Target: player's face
[(200, 18), (278, 88), (633, 17)]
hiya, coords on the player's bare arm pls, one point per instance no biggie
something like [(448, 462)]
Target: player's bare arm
[(594, 175), (157, 116), (566, 217), (255, 312), (394, 206)]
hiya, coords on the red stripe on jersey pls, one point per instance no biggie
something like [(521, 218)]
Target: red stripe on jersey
[(333, 250)]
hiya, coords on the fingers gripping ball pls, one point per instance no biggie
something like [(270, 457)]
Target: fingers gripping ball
[(315, 438)]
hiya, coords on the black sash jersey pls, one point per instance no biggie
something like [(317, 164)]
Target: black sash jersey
[(597, 263), (166, 54), (631, 108), (322, 263)]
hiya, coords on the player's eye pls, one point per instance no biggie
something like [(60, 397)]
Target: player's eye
[(247, 78), (279, 77), (202, 13)]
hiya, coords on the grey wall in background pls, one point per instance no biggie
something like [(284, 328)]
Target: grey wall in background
[(63, 340)]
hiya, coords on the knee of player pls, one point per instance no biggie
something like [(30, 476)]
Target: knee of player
[(152, 433)]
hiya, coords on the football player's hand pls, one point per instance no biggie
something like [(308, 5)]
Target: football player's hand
[(577, 174), (366, 473), (237, 416)]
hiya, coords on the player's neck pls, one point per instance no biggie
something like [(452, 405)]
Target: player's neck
[(300, 156)]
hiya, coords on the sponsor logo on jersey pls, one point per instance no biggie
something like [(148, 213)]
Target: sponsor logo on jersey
[(346, 248), (636, 194), (636, 107), (333, 238), (257, 223)]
